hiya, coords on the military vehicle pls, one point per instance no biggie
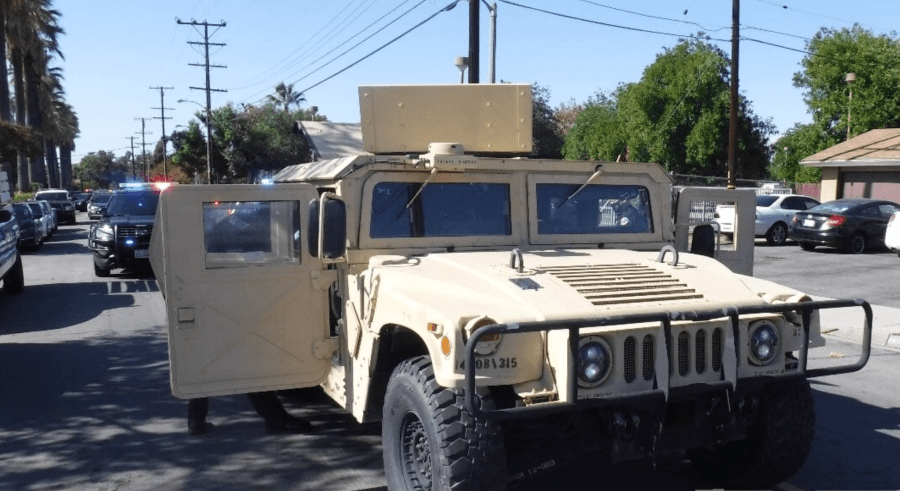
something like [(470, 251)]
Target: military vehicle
[(501, 316)]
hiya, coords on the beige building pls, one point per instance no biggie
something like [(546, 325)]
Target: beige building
[(865, 166)]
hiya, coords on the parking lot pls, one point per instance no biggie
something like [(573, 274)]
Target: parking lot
[(87, 406)]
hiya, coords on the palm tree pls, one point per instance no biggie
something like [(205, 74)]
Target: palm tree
[(69, 132), (285, 96)]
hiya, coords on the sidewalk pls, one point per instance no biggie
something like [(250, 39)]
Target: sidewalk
[(848, 324)]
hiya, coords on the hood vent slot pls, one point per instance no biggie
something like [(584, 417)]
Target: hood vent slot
[(622, 284)]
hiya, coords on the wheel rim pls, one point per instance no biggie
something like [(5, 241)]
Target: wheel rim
[(858, 244), (416, 451), (779, 234)]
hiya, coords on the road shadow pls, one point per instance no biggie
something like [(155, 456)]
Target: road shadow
[(56, 306)]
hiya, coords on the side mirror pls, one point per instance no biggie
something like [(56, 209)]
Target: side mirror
[(334, 227)]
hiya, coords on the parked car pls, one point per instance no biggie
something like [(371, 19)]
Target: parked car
[(774, 213), (97, 204), (121, 238), (61, 203), (50, 212), (81, 201), (853, 225), (31, 232), (46, 221), (892, 234), (11, 271)]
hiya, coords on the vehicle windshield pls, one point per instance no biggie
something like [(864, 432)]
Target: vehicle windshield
[(22, 212), (765, 200), (596, 209), (101, 198), (55, 196), (133, 204), (833, 207), (440, 210)]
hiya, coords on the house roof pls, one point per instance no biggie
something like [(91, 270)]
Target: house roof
[(332, 140), (876, 148)]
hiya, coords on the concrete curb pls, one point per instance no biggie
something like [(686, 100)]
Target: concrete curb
[(848, 324)]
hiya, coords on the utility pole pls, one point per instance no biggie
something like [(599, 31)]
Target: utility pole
[(493, 62), (133, 169), (143, 133), (473, 40), (162, 112), (206, 44), (732, 121)]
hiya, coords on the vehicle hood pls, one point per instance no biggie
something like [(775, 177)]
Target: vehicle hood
[(562, 284)]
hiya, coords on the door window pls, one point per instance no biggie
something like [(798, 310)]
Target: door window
[(251, 233)]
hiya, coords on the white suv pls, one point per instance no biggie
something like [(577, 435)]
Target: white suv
[(892, 234)]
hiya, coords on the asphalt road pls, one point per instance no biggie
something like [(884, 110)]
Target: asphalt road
[(86, 403)]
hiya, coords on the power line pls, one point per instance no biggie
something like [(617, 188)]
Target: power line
[(654, 16), (163, 118), (392, 41)]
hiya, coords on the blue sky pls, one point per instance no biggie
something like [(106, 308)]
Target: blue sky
[(116, 49)]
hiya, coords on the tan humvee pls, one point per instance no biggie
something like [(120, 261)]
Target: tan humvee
[(495, 312)]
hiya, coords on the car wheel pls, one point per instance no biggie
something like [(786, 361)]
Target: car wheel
[(14, 281), (777, 235), (431, 441), (100, 272), (807, 246), (857, 244)]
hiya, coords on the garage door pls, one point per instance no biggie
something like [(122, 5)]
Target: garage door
[(877, 185)]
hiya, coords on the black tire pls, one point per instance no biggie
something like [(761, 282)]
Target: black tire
[(100, 272), (777, 235), (431, 441), (857, 244), (807, 246), (777, 447), (14, 281)]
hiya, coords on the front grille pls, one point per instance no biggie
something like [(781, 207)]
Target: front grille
[(647, 357), (700, 351), (717, 349), (684, 352), (622, 284), (629, 359), (134, 232)]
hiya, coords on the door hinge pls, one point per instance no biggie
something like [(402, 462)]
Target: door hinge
[(324, 348), (323, 279)]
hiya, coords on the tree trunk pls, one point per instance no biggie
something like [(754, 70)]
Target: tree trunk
[(35, 118), (65, 166), (52, 164), (8, 165), (24, 181)]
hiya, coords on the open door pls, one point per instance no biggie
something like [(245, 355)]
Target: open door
[(245, 314), (731, 212)]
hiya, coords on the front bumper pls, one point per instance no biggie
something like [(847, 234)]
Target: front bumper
[(664, 369), (128, 249)]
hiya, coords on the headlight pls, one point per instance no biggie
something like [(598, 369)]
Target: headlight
[(486, 344), (103, 232), (764, 341), (594, 361)]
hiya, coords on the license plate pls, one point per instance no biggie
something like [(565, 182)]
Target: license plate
[(141, 253), (809, 223)]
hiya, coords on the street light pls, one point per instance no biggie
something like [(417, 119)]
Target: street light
[(208, 141), (461, 62), (851, 77)]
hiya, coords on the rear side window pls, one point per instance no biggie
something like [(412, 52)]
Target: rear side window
[(439, 210), (766, 200)]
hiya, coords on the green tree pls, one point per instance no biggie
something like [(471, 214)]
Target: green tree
[(876, 62), (285, 97), (547, 140), (190, 149), (797, 143), (677, 116), (102, 170)]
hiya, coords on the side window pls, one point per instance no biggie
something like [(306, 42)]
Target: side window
[(251, 233), (809, 203), (440, 210), (887, 210), (792, 204)]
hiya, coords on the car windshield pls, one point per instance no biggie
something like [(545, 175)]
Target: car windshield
[(834, 207), (133, 204), (22, 212), (440, 209), (596, 209), (101, 198), (56, 196), (765, 200)]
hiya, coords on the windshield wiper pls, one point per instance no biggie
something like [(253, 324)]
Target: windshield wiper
[(596, 173), (419, 191)]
